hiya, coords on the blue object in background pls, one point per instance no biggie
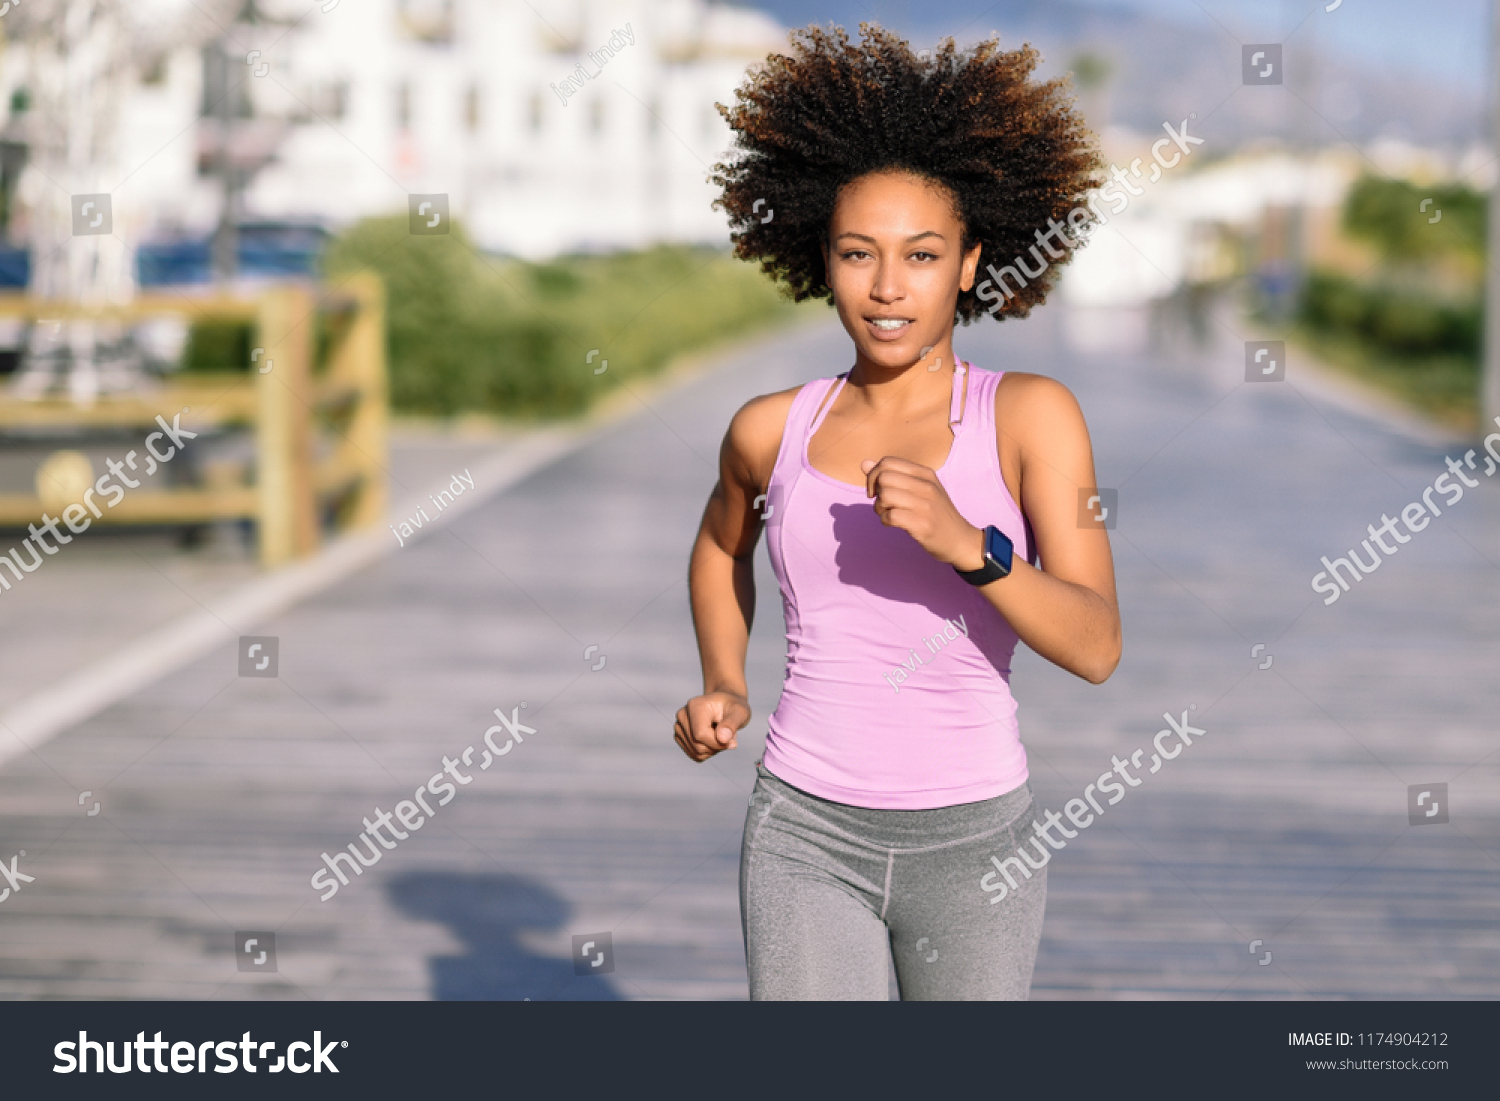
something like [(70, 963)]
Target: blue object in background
[(15, 267), (172, 263), (266, 250)]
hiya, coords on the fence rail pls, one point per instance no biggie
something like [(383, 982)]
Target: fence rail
[(320, 428)]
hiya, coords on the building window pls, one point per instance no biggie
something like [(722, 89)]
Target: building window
[(429, 21), (225, 90), (328, 101), (403, 106), (471, 108)]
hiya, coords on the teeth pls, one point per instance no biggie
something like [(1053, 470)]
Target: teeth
[(889, 323)]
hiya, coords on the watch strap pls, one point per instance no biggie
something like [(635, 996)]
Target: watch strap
[(992, 570)]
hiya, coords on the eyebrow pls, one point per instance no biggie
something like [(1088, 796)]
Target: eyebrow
[(909, 240)]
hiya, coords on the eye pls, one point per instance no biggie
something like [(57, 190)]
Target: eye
[(853, 253), (930, 255)]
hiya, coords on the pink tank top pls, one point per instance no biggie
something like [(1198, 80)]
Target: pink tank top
[(897, 690)]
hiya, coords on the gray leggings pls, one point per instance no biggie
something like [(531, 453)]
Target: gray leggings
[(830, 894)]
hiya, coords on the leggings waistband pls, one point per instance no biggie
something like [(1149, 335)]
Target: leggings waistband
[(907, 829)]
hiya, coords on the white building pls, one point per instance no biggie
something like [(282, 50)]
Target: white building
[(550, 125)]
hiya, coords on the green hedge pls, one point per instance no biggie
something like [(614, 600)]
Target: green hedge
[(1415, 323), (1424, 350), (1390, 215), (1401, 322), (471, 332)]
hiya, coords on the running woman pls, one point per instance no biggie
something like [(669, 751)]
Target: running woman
[(909, 503)]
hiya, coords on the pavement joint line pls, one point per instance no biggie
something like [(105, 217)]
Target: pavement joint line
[(36, 719)]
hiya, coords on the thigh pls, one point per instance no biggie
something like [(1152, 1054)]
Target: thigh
[(950, 938), (812, 927)]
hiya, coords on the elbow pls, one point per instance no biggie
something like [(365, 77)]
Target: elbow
[(1103, 664), (1098, 674)]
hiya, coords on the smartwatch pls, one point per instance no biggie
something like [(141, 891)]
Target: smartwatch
[(997, 553)]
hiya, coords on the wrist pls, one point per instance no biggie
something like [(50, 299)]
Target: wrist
[(971, 553), (728, 687), (996, 554)]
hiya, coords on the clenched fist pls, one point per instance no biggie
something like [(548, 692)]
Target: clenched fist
[(708, 724)]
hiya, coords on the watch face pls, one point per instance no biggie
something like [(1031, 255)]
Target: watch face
[(997, 547)]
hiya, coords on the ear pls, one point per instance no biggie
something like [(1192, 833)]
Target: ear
[(969, 269)]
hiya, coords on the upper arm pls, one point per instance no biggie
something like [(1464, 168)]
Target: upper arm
[(1042, 428), (746, 459)]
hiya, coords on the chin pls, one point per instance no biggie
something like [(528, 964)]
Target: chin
[(887, 356)]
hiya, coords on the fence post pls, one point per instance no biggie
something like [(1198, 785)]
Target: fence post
[(365, 442), (288, 519)]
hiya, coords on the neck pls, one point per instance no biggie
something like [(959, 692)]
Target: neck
[(905, 391)]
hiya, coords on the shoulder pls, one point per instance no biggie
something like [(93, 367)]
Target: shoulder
[(754, 435), (766, 413), (1034, 393), (1034, 407), (1041, 432)]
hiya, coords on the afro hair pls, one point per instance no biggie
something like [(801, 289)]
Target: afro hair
[(1008, 151)]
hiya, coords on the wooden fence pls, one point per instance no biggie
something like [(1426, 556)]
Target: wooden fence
[(319, 422)]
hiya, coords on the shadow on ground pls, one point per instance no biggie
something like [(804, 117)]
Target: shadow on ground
[(488, 913)]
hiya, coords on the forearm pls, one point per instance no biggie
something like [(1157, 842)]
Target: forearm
[(721, 590), (1069, 624)]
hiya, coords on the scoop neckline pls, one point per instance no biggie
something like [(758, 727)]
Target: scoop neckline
[(859, 487)]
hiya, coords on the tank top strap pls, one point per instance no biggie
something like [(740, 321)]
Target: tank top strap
[(985, 399), (974, 436), (958, 413), (837, 384)]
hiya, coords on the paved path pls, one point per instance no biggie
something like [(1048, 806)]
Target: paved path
[(1286, 823), (110, 588)]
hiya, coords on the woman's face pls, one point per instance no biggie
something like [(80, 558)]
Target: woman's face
[(895, 264)]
